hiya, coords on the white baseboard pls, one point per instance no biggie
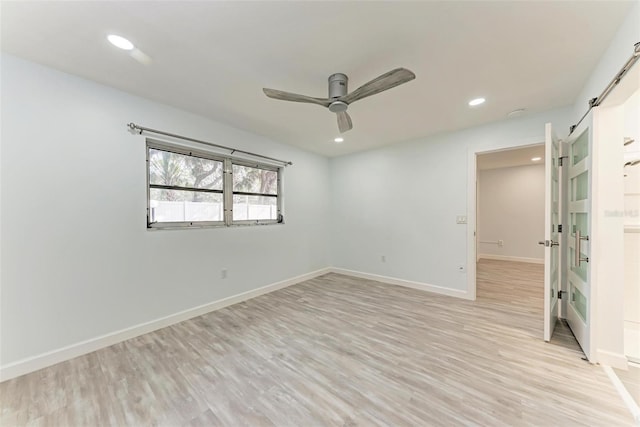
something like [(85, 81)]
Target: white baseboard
[(628, 400), (632, 340), (615, 360), (406, 283), (31, 364), (511, 258)]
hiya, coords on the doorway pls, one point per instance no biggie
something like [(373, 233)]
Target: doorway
[(509, 223), (510, 204)]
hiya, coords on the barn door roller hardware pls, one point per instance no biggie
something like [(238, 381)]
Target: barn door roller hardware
[(594, 102)]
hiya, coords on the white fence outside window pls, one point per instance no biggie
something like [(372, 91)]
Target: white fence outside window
[(178, 211)]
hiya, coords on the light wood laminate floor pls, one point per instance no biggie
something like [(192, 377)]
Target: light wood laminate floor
[(631, 380), (337, 351)]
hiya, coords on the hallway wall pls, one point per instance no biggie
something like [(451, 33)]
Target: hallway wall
[(511, 209)]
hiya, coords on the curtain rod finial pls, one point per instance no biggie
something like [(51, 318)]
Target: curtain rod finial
[(133, 128)]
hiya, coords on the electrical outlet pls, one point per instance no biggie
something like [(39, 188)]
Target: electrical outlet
[(461, 219), (223, 273), (500, 242), (383, 258)]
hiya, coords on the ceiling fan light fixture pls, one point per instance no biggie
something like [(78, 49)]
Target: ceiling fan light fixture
[(120, 42), (476, 101), (338, 106)]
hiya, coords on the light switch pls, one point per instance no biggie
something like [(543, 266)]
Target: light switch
[(461, 219)]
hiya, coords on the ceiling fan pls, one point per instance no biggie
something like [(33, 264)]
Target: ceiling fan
[(339, 100)]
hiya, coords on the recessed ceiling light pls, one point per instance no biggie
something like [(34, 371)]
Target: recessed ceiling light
[(476, 101), (536, 159), (120, 42), (339, 139)]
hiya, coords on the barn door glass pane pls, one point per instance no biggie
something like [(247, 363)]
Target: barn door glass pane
[(580, 148)]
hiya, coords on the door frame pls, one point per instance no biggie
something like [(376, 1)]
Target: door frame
[(472, 197), (552, 254)]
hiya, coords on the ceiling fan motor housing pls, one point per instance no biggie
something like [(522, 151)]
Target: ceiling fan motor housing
[(337, 88), (337, 85)]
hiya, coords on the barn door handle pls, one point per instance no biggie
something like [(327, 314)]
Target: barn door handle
[(578, 258)]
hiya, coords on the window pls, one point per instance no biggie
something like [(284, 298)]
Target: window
[(255, 194), (184, 188), (189, 188)]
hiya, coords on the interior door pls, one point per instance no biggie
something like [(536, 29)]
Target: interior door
[(551, 222), (578, 251)]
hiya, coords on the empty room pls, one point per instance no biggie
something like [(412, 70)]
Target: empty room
[(325, 213)]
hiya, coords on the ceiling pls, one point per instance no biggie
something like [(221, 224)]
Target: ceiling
[(512, 157), (214, 58)]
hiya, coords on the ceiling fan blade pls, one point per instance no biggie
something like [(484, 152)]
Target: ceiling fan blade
[(386, 81), (288, 96), (140, 56), (344, 121)]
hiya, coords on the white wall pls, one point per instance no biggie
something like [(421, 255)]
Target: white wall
[(606, 240), (511, 209), (401, 201), (77, 260), (632, 232)]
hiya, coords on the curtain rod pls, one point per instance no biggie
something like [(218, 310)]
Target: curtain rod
[(140, 129), (594, 102)]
